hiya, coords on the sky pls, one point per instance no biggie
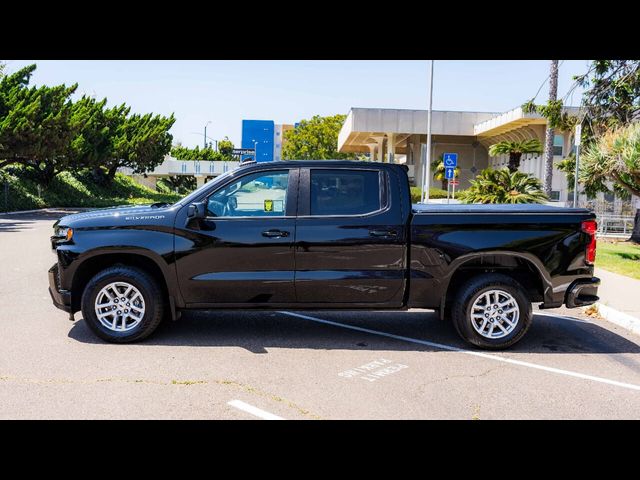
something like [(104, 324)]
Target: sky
[(226, 92)]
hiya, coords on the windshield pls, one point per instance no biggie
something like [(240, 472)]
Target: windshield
[(193, 195)]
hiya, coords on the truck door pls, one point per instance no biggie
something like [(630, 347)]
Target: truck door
[(350, 240), (242, 252)]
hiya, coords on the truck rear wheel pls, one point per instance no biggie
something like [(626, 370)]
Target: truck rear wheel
[(122, 304), (492, 311)]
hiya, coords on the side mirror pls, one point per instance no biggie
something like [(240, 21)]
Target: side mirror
[(197, 210)]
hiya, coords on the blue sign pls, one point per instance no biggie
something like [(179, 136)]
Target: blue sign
[(450, 159), (449, 173)]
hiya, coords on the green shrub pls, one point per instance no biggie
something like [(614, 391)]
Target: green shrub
[(416, 194), (75, 190)]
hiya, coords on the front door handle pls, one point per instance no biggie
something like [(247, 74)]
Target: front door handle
[(383, 233), (275, 233)]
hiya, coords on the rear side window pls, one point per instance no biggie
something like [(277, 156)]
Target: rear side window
[(345, 192)]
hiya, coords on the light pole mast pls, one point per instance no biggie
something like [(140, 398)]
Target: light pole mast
[(427, 168), (577, 142), (205, 133)]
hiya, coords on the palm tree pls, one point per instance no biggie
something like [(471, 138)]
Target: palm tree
[(614, 157), (503, 186), (515, 151), (548, 139), (437, 167)]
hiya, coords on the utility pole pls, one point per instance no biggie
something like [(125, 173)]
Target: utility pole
[(205, 133), (426, 169), (575, 178)]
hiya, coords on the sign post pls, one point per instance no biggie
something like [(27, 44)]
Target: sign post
[(449, 175), (454, 183)]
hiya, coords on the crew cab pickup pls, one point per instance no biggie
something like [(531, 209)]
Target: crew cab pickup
[(318, 235)]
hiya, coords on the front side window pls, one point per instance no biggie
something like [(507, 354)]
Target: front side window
[(344, 192), (262, 194)]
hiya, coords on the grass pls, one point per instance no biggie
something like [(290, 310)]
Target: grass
[(619, 257), (74, 190)]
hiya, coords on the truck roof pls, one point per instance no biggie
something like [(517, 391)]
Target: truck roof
[(323, 163)]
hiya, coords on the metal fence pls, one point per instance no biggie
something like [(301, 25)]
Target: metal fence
[(615, 225)]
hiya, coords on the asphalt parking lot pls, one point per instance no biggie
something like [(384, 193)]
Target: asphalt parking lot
[(295, 365)]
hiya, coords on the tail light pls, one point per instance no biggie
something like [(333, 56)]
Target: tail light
[(589, 227)]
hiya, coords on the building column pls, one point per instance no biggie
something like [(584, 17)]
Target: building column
[(376, 142), (416, 158), (372, 151), (200, 180), (381, 149), (391, 147)]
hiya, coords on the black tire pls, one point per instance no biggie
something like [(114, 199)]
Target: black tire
[(151, 293), (470, 291)]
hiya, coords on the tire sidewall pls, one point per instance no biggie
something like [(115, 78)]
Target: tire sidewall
[(137, 279), (464, 322)]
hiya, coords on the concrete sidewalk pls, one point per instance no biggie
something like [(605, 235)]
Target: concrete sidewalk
[(619, 299), (619, 292)]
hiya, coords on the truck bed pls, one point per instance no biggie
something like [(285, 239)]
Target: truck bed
[(440, 208)]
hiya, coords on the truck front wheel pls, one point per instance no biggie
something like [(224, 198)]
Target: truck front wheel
[(491, 311), (122, 304)]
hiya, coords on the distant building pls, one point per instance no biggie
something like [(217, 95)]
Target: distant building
[(266, 137), (393, 135), (279, 140)]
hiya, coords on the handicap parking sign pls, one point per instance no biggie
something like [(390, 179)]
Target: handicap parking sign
[(450, 159)]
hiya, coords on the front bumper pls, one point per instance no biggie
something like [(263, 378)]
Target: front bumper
[(582, 292), (61, 298)]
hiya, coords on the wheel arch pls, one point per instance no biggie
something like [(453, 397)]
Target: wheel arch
[(517, 265), (99, 261)]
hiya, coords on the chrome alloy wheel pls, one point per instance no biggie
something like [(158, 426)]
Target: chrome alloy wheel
[(119, 306), (495, 314)]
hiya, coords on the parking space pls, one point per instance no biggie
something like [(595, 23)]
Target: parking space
[(295, 365)]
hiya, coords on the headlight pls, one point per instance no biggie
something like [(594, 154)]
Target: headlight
[(64, 232)]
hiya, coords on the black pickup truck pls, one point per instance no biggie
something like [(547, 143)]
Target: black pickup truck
[(314, 235)]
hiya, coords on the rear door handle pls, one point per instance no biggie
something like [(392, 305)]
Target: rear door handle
[(275, 233), (383, 233)]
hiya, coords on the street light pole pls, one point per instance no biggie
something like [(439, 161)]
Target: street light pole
[(255, 151), (205, 133), (575, 175), (427, 168)]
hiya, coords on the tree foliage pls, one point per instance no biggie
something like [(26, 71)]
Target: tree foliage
[(315, 139), (612, 94), (44, 130), (615, 157), (224, 153), (140, 143), (568, 166), (515, 150), (225, 147), (35, 127), (503, 186)]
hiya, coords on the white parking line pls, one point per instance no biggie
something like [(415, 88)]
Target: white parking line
[(488, 356), (245, 407)]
